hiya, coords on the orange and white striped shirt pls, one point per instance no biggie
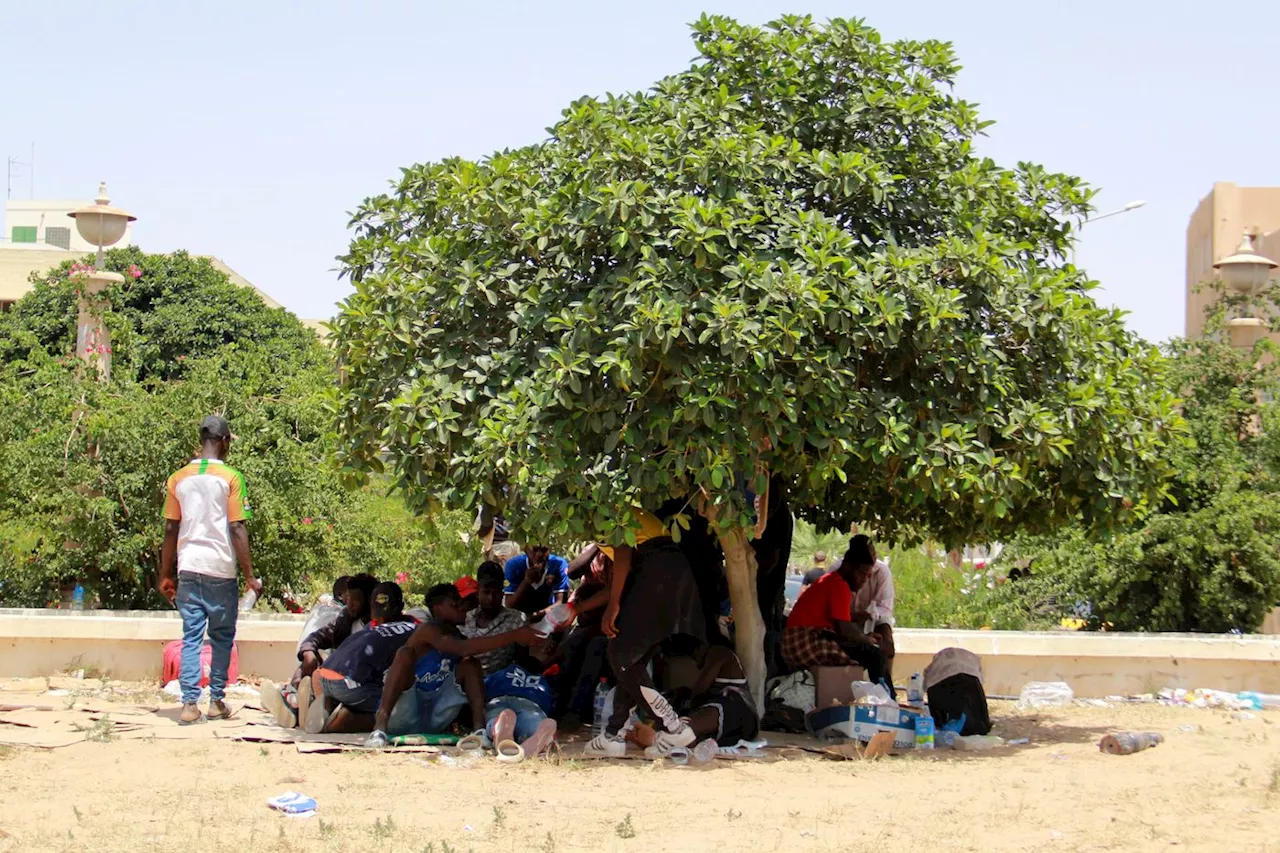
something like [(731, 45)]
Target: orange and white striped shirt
[(206, 497)]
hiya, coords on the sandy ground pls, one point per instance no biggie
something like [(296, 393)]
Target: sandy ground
[(1213, 785)]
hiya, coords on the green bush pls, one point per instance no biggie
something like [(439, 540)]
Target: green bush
[(83, 465)]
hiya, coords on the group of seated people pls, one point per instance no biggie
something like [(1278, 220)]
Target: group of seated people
[(484, 657)]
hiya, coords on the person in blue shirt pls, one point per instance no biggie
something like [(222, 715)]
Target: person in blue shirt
[(518, 709), (536, 580), (434, 675)]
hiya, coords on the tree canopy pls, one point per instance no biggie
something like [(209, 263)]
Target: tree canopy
[(83, 464), (787, 259), (1208, 558)]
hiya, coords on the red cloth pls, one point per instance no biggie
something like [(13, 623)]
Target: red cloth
[(172, 667), (822, 604)]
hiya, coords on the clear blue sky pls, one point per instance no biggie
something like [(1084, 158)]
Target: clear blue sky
[(248, 130)]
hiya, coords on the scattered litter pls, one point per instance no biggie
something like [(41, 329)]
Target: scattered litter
[(1258, 701), (1018, 741), (468, 828), (1127, 743), (866, 693), (1045, 694), (977, 743), (1243, 715), (60, 691), (294, 804), (1188, 728)]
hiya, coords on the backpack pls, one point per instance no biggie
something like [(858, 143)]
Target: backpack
[(953, 682)]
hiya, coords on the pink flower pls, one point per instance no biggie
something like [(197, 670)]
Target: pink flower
[(135, 270), (402, 578), (306, 520)]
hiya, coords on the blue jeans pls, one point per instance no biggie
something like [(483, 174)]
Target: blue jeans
[(418, 712), (528, 715), (206, 602)]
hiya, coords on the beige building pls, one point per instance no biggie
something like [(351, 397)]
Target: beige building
[(1215, 230), (18, 263), (38, 235), (44, 223)]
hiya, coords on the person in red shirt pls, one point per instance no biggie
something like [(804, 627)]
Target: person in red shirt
[(819, 630)]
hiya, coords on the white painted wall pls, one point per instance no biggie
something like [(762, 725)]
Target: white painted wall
[(46, 213)]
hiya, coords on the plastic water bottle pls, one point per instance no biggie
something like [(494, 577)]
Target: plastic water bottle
[(915, 689), (600, 708), (924, 731), (77, 598), (247, 600)]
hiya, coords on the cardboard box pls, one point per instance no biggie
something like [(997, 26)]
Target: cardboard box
[(833, 684), (863, 722)]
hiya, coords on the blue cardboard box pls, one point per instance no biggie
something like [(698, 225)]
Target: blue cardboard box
[(862, 722)]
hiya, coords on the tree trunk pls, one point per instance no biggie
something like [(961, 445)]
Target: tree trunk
[(740, 571)]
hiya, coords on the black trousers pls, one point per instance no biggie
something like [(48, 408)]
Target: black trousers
[(870, 658)]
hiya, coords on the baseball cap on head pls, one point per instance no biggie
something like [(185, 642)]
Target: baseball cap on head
[(214, 427)]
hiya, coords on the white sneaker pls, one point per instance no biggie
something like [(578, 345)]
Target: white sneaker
[(606, 746), (272, 701), (682, 738), (316, 718)]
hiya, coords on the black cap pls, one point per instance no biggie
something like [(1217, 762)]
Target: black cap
[(214, 427)]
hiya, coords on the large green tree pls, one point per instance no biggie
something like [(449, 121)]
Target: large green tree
[(785, 260), (1209, 558), (83, 464)]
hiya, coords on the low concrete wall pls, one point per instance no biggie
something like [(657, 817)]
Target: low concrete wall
[(127, 646)]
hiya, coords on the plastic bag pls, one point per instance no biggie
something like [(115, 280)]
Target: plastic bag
[(866, 693), (977, 743), (1045, 694)]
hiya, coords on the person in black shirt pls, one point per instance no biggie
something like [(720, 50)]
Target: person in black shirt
[(349, 684), (819, 569)]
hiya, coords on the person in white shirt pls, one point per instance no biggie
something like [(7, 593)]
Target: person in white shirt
[(205, 510), (872, 610)]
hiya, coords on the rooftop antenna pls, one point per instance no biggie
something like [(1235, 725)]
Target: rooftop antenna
[(16, 164)]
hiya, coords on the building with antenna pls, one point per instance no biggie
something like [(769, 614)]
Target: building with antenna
[(38, 235), (44, 224)]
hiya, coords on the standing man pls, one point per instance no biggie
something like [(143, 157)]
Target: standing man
[(205, 511)]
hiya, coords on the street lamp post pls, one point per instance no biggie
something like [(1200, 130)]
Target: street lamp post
[(1245, 272), (1133, 205), (101, 225)]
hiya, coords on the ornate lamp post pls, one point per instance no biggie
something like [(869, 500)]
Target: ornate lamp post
[(1246, 272), (102, 226)]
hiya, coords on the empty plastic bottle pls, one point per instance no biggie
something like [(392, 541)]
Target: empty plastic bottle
[(600, 708)]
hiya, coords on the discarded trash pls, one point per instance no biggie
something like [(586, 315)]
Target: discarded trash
[(1243, 715), (1258, 701), (744, 748), (705, 751), (866, 693), (1045, 694), (424, 740), (679, 755), (461, 760), (1127, 743), (1018, 741), (293, 803), (977, 743)]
